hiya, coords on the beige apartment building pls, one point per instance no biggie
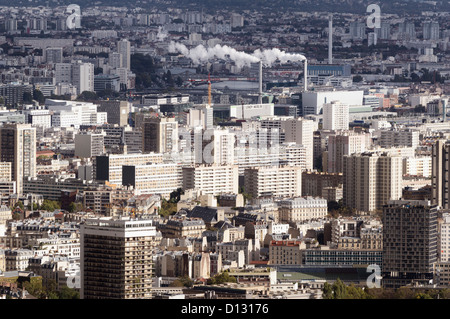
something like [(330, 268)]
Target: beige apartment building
[(284, 181), (18, 147), (109, 168), (161, 179), (116, 258), (5, 171), (301, 209), (212, 179), (286, 252), (184, 228), (371, 179), (343, 143), (159, 135), (440, 175)]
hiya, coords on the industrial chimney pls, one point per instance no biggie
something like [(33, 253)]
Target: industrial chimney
[(444, 110), (330, 39), (305, 75), (260, 83)]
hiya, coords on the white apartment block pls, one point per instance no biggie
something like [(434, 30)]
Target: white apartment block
[(115, 60), (289, 154), (283, 181), (53, 55), (200, 116), (292, 154), (212, 179), (335, 116), (160, 135), (124, 48), (300, 131), (57, 246), (109, 167), (417, 166), (83, 77), (402, 151), (63, 73), (219, 148), (65, 119), (41, 118), (444, 239), (301, 209), (159, 179), (17, 259), (5, 171), (313, 102), (371, 179), (74, 113), (277, 228), (341, 144), (248, 157)]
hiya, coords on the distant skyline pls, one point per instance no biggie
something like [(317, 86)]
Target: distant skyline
[(338, 6)]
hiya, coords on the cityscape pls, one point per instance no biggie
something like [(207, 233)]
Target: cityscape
[(235, 150)]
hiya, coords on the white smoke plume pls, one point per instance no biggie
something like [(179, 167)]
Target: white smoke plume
[(200, 54), (162, 34), (268, 57)]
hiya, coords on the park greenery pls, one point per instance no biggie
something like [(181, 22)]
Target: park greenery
[(38, 290), (221, 278), (339, 290), (169, 207)]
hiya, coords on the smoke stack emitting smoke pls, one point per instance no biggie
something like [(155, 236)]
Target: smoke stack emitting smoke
[(267, 57), (200, 54)]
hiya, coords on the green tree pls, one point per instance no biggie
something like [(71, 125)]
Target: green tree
[(87, 96), (247, 196), (35, 288), (420, 109), (179, 81), (75, 207), (38, 96), (341, 291), (423, 295), (327, 291), (50, 205), (176, 195), (19, 204), (221, 279), (167, 208), (68, 293), (98, 71), (357, 78), (27, 97), (184, 281)]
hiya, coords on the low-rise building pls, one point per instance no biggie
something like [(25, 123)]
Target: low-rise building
[(301, 209), (183, 228)]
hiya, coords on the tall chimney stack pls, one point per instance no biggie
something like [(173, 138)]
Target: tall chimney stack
[(444, 110), (260, 83), (305, 75), (330, 39)]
